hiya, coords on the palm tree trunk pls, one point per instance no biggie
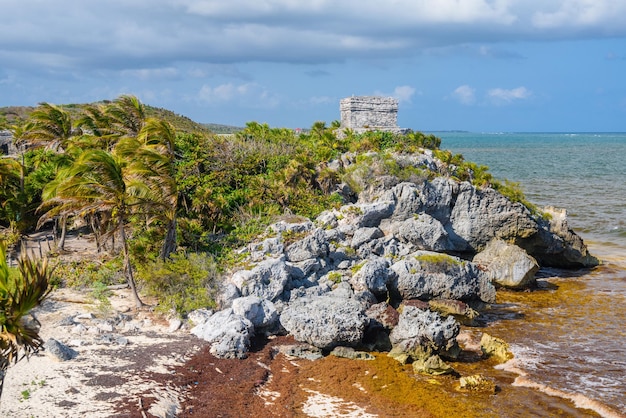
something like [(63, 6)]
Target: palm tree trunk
[(169, 244), (128, 266), (93, 222), (63, 232)]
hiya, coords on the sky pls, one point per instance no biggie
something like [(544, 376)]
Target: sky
[(475, 65)]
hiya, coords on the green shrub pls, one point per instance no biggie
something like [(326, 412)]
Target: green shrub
[(184, 282), (439, 262), (85, 273)]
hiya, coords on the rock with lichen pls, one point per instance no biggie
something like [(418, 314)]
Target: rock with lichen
[(495, 347), (477, 383)]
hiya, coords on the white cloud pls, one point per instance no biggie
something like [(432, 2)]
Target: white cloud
[(580, 13), (139, 34), (152, 73), (499, 95), (404, 94), (322, 100), (248, 94), (465, 94)]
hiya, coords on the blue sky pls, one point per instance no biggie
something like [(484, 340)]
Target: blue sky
[(477, 65)]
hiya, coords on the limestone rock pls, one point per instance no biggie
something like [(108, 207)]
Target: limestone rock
[(422, 231), (460, 310), (199, 316), (426, 275), (383, 315), (364, 235), (59, 351), (478, 216), (432, 365), (372, 213), (507, 265), (477, 383), (266, 280), (313, 246), (351, 353), (299, 350), (261, 312), (325, 321), (373, 276), (556, 245), (495, 347), (228, 333), (421, 334)]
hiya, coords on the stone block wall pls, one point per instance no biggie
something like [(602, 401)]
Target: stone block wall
[(362, 113), (369, 111)]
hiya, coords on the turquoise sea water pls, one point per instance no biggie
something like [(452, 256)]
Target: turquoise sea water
[(574, 346)]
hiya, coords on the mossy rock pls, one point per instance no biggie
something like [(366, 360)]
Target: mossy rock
[(495, 347), (351, 353), (432, 365), (477, 383)]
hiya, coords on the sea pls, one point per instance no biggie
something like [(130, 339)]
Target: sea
[(569, 336)]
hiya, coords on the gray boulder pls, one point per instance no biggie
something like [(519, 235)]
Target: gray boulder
[(373, 276), (478, 216), (267, 280), (373, 213), (228, 333), (507, 265), (59, 351), (199, 316), (421, 334), (426, 275), (261, 312), (313, 246), (556, 245), (422, 231), (364, 235), (325, 321)]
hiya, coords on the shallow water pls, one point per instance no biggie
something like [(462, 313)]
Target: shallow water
[(568, 338)]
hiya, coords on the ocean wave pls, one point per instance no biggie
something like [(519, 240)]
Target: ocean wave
[(527, 359)]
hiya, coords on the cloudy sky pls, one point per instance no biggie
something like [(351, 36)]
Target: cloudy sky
[(478, 65)]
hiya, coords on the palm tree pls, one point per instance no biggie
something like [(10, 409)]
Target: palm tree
[(100, 182), (50, 126), (126, 116), (157, 155), (19, 294)]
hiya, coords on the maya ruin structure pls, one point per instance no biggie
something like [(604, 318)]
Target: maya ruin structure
[(370, 113)]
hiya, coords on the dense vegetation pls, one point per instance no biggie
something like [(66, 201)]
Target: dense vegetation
[(167, 200)]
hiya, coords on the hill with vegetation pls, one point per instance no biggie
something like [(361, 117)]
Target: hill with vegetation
[(11, 115)]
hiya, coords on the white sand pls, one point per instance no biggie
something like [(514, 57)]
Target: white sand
[(103, 374)]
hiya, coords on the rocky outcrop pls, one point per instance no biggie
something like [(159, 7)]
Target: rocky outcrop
[(325, 321), (228, 333), (507, 265), (394, 270), (426, 275), (422, 337)]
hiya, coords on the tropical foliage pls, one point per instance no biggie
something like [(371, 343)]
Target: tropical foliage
[(20, 292)]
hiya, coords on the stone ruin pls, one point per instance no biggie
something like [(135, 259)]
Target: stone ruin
[(370, 113), (6, 143)]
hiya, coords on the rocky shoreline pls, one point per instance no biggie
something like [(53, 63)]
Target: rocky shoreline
[(394, 272)]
